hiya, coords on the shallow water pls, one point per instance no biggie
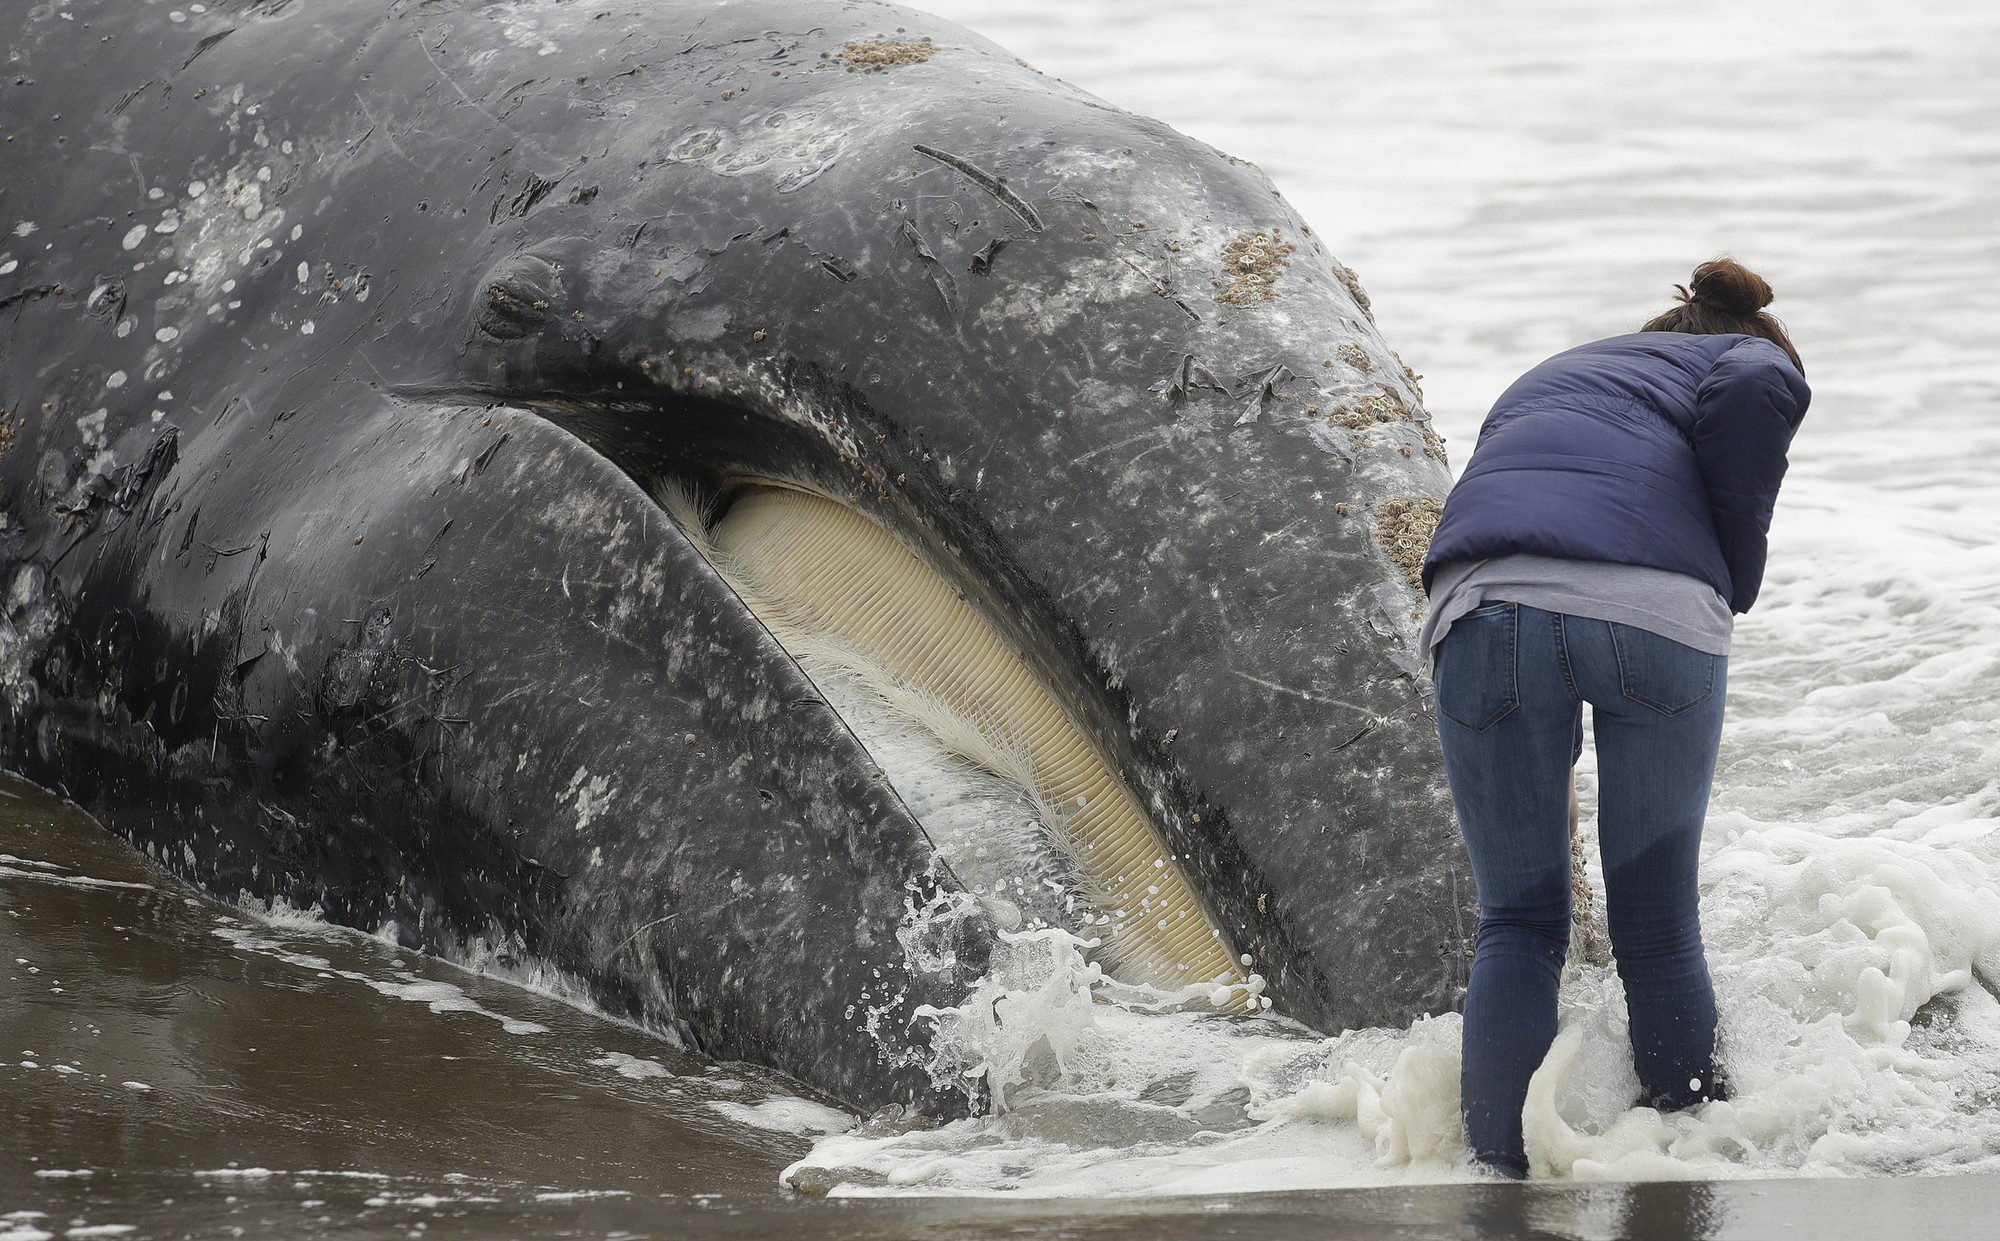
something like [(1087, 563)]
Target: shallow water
[(1508, 179)]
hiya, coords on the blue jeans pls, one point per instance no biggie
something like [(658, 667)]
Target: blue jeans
[(1511, 681)]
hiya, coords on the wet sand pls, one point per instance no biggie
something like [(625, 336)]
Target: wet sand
[(1832, 1210), (173, 1066)]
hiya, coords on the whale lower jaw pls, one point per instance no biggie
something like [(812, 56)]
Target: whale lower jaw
[(853, 604)]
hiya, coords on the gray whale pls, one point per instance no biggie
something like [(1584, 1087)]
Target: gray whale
[(373, 375)]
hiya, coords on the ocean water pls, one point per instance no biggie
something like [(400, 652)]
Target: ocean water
[(1511, 179), (1508, 179)]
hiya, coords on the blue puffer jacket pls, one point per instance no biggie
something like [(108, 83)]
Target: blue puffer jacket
[(1659, 449)]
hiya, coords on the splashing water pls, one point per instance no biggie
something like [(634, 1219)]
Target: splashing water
[(1858, 1031)]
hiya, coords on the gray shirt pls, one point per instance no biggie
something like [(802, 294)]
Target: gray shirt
[(1659, 601)]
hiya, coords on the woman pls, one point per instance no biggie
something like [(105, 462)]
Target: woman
[(1611, 521)]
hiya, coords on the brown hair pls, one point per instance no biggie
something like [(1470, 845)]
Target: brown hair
[(1724, 296)]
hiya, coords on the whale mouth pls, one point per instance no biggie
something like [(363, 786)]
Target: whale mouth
[(897, 648)]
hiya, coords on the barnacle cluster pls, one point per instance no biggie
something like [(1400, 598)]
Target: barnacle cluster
[(1366, 411), (1251, 265), (1348, 278), (875, 55), (1377, 408), (1404, 527), (1416, 381), (1433, 442)]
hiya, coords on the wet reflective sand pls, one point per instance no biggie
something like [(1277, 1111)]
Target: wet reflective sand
[(176, 1067)]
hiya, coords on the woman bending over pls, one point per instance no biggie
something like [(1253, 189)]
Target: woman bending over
[(1611, 521)]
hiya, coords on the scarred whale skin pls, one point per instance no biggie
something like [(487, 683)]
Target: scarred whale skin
[(344, 348)]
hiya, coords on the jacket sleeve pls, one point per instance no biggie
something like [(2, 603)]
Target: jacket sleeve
[(1745, 413)]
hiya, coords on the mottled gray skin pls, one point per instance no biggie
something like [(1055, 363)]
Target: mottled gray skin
[(332, 564)]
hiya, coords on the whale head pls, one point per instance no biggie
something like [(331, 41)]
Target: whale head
[(667, 439)]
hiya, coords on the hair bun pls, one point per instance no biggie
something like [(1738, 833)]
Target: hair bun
[(1728, 286), (1725, 298)]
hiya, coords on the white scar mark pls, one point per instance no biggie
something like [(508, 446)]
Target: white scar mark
[(387, 134), (452, 82), (1166, 432), (1305, 694)]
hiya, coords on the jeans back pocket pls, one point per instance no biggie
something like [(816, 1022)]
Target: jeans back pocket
[(1658, 672), (1475, 667)]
